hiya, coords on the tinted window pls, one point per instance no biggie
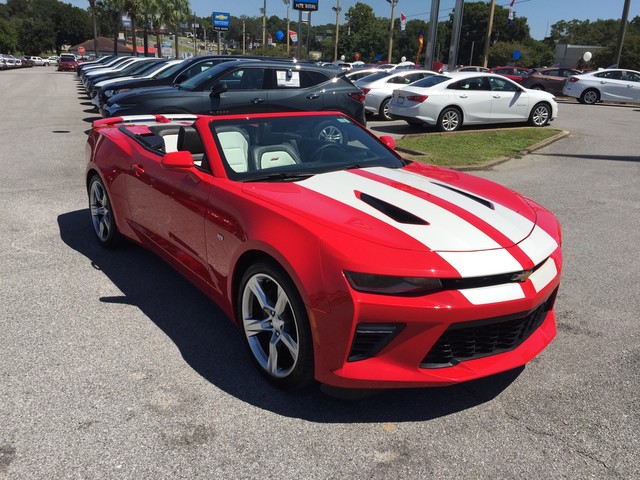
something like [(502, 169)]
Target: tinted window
[(292, 78), (430, 81), (633, 76), (244, 79), (614, 75), (555, 73), (376, 76), (474, 83), (498, 84)]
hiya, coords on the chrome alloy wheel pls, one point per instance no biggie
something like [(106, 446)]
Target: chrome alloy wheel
[(100, 211), (540, 115), (270, 325), (330, 133), (450, 120)]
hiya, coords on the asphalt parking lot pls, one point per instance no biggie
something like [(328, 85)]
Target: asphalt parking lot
[(114, 366)]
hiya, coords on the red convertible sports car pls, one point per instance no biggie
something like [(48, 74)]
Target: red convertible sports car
[(339, 260)]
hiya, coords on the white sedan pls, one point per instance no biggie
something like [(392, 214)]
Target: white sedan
[(610, 84), (449, 101)]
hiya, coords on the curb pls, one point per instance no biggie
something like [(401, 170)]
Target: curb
[(493, 163)]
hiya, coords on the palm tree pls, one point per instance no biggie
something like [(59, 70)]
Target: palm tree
[(173, 12)]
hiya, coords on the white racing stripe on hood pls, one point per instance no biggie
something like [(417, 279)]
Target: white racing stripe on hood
[(511, 224), (446, 231), (539, 245)]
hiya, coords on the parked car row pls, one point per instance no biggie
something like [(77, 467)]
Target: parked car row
[(11, 61)]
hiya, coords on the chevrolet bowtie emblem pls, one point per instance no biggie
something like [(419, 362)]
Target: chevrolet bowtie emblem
[(522, 276)]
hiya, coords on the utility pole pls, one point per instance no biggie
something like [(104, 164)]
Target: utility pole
[(455, 34), (336, 9), (487, 38), (622, 31), (244, 39), (264, 25), (286, 2), (433, 34), (393, 8)]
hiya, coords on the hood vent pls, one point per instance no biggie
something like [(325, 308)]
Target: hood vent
[(391, 211), (481, 201)]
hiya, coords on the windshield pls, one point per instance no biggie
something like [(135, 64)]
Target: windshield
[(430, 81), (293, 147), (204, 77), (169, 72)]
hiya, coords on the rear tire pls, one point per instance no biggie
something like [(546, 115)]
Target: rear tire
[(590, 97), (102, 218), (450, 120)]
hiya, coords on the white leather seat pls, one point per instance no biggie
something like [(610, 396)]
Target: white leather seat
[(235, 147)]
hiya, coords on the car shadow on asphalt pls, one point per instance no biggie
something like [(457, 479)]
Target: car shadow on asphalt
[(213, 346)]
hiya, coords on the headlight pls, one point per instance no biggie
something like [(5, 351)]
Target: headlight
[(392, 285)]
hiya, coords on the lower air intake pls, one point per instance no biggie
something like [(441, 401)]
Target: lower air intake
[(471, 340)]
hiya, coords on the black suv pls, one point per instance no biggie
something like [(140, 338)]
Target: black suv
[(247, 87), (176, 74)]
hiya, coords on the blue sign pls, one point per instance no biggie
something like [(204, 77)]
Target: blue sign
[(306, 5), (220, 21)]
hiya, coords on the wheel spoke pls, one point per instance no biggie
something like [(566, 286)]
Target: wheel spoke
[(254, 326), (256, 288), (282, 302), (272, 361), (291, 345)]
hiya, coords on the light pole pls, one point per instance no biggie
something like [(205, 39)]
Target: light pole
[(487, 38), (337, 9), (393, 9), (286, 2), (92, 4), (264, 25)]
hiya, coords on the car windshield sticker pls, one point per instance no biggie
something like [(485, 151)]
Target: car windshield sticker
[(287, 78)]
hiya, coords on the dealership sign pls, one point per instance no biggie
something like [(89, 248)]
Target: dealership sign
[(220, 21), (306, 6)]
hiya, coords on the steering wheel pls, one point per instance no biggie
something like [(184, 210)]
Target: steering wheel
[(319, 153)]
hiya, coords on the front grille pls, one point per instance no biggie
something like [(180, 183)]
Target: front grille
[(471, 340)]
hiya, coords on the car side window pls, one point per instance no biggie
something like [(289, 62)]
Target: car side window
[(633, 76), (552, 73), (474, 83), (243, 79), (500, 85), (613, 75)]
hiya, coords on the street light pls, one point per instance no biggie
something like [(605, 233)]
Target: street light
[(286, 2), (337, 9), (92, 5), (264, 25), (393, 9)]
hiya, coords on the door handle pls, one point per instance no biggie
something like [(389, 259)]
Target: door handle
[(497, 96), (313, 96), (464, 96), (257, 100), (138, 169)]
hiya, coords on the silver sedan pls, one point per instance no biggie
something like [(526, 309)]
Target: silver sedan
[(379, 87)]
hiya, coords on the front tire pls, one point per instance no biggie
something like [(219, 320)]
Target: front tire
[(276, 326), (384, 110), (450, 120), (540, 115), (102, 218)]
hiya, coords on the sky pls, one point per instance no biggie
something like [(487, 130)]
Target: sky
[(541, 14)]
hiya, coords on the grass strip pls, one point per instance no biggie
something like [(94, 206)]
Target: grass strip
[(473, 148)]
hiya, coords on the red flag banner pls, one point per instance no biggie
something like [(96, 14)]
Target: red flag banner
[(403, 22)]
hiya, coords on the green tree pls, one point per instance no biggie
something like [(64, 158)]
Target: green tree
[(36, 36), (8, 36)]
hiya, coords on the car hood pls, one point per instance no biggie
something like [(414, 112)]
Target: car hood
[(409, 208)]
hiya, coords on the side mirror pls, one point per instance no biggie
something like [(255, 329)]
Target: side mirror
[(181, 160), (218, 88), (388, 141)]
